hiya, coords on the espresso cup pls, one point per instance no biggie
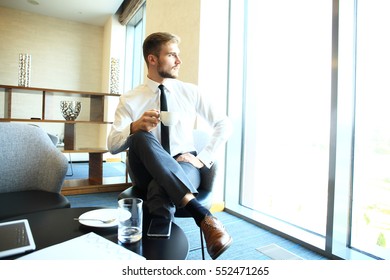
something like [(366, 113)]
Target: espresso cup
[(169, 118)]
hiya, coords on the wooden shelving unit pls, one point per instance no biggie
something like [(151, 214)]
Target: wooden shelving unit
[(95, 182)]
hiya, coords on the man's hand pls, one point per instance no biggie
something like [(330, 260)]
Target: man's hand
[(188, 157), (147, 122)]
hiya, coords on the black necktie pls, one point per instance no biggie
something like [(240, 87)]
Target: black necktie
[(164, 129)]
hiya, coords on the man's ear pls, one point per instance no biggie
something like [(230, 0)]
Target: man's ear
[(152, 59)]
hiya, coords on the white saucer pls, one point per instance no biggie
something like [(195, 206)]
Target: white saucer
[(101, 214)]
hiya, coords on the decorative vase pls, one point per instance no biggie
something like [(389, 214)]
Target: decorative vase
[(24, 69), (114, 75), (70, 109)]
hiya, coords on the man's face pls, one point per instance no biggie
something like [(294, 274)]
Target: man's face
[(168, 63)]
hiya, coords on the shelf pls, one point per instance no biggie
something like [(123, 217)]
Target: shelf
[(84, 186), (85, 150), (88, 185), (56, 91), (45, 97), (52, 121)]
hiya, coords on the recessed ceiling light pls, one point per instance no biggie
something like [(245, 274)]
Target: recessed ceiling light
[(33, 2)]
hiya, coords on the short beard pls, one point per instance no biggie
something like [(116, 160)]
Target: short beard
[(166, 75)]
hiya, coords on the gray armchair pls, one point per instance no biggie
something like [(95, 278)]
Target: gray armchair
[(32, 171)]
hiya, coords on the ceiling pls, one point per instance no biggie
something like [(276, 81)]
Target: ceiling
[(95, 12)]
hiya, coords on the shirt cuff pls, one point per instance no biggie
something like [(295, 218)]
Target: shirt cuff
[(206, 158)]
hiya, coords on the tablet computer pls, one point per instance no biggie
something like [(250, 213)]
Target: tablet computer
[(15, 238)]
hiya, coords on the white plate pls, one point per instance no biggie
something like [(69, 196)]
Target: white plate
[(101, 214)]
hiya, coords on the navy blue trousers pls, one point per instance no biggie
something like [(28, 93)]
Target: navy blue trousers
[(164, 180)]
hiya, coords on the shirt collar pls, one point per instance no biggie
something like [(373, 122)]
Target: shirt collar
[(154, 85)]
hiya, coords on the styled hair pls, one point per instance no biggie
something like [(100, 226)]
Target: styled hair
[(154, 42)]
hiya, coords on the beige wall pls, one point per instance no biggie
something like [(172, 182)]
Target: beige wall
[(114, 43), (182, 18), (203, 28), (65, 54)]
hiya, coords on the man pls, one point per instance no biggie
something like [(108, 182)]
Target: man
[(169, 176)]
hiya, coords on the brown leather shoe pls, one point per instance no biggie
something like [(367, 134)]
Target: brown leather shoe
[(216, 236)]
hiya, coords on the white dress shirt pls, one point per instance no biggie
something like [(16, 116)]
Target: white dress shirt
[(181, 97)]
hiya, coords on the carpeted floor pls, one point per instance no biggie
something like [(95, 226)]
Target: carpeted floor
[(247, 238)]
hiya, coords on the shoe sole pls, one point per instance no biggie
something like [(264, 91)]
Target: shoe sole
[(223, 249)]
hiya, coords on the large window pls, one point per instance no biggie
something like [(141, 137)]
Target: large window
[(312, 166), (288, 111), (134, 63), (371, 174)]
